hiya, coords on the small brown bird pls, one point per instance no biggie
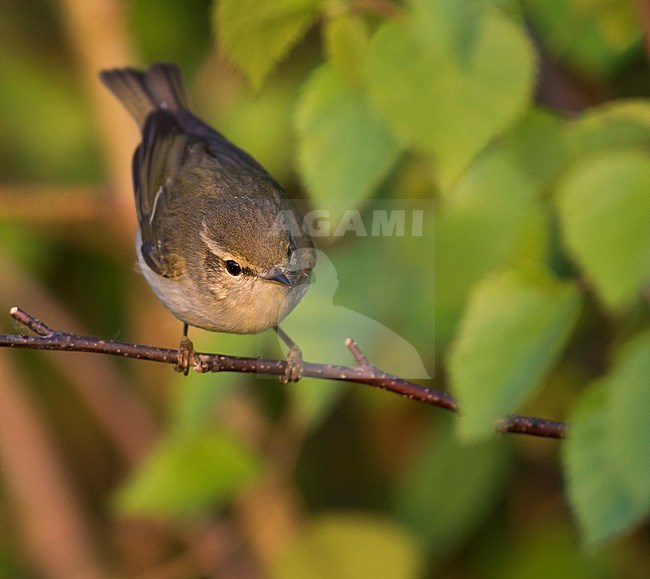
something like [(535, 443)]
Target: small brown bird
[(219, 241)]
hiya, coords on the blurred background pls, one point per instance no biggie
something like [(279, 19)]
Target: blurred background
[(120, 468)]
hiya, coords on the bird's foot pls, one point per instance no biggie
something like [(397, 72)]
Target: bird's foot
[(185, 356), (294, 369)]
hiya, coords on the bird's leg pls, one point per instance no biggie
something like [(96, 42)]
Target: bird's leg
[(293, 372), (185, 353)]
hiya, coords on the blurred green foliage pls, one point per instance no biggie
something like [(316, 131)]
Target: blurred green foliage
[(346, 545), (527, 317), (526, 290), (168, 30)]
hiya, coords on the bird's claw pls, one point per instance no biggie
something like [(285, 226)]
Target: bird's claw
[(185, 356), (293, 371)]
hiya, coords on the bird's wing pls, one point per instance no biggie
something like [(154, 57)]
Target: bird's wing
[(165, 149)]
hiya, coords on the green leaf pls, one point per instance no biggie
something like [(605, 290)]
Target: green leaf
[(256, 34), (492, 215), (629, 427), (623, 123), (450, 487), (439, 76), (184, 476), (606, 455), (595, 37), (515, 326), (346, 39), (595, 495), (604, 209), (538, 145), (345, 149), (349, 546)]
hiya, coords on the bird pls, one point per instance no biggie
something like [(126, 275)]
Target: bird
[(219, 241)]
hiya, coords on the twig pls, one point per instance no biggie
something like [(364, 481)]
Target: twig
[(363, 373), (119, 410), (359, 357), (533, 426)]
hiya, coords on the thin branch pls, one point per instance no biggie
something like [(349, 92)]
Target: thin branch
[(363, 373), (533, 426), (359, 357), (120, 411)]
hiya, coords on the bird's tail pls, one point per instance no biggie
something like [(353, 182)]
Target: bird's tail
[(141, 92)]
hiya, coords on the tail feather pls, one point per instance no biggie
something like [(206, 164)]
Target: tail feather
[(158, 87)]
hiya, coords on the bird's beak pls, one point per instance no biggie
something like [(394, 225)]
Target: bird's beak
[(278, 277)]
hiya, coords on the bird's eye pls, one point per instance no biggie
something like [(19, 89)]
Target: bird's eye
[(233, 268)]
